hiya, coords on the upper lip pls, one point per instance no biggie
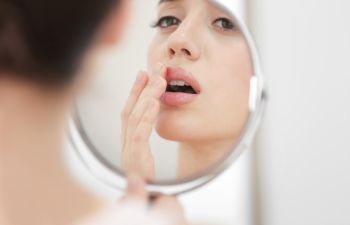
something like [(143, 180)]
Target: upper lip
[(178, 73)]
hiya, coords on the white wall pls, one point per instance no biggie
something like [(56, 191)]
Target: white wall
[(304, 145)]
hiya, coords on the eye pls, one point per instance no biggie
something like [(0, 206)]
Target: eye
[(224, 24), (167, 21)]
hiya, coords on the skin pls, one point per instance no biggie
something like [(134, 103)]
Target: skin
[(36, 188), (164, 210), (138, 119), (219, 59)]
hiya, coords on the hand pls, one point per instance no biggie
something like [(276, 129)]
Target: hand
[(134, 209), (138, 119)]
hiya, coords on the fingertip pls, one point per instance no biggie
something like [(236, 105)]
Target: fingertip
[(163, 82), (160, 68), (136, 186), (141, 80), (145, 73), (140, 77), (164, 72)]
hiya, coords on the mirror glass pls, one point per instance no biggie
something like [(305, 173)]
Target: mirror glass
[(206, 66)]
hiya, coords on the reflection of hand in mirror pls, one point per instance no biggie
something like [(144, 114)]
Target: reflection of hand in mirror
[(138, 119)]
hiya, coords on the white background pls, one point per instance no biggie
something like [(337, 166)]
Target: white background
[(304, 145)]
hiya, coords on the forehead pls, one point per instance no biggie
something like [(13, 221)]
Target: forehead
[(208, 4), (162, 1)]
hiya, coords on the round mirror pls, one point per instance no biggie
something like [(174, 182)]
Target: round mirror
[(190, 112)]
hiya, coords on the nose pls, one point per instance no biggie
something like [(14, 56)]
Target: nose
[(183, 43)]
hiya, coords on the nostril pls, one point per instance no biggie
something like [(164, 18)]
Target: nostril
[(171, 51), (186, 51)]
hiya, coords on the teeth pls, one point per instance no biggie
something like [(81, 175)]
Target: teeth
[(173, 83), (178, 83)]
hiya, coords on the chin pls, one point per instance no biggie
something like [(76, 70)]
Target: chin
[(183, 126), (174, 127)]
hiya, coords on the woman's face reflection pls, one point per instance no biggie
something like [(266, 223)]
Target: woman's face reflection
[(201, 42)]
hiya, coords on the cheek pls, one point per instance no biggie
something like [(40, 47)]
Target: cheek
[(151, 55), (229, 82), (235, 69), (155, 53)]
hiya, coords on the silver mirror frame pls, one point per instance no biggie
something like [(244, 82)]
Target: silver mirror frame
[(104, 171)]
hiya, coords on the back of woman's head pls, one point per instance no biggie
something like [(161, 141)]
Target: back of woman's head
[(44, 40)]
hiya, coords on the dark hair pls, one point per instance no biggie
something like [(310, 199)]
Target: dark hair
[(44, 40)]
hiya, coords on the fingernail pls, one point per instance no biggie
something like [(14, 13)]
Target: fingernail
[(139, 77)]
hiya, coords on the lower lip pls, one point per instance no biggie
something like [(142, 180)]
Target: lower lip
[(177, 99)]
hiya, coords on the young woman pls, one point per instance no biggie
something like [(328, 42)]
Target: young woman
[(46, 51), (202, 102)]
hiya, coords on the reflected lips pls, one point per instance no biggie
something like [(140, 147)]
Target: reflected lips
[(182, 87)]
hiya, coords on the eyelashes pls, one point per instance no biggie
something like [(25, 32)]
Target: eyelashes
[(224, 24), (166, 21), (221, 23)]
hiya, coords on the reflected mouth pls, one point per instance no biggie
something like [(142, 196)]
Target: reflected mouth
[(182, 87), (180, 80)]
